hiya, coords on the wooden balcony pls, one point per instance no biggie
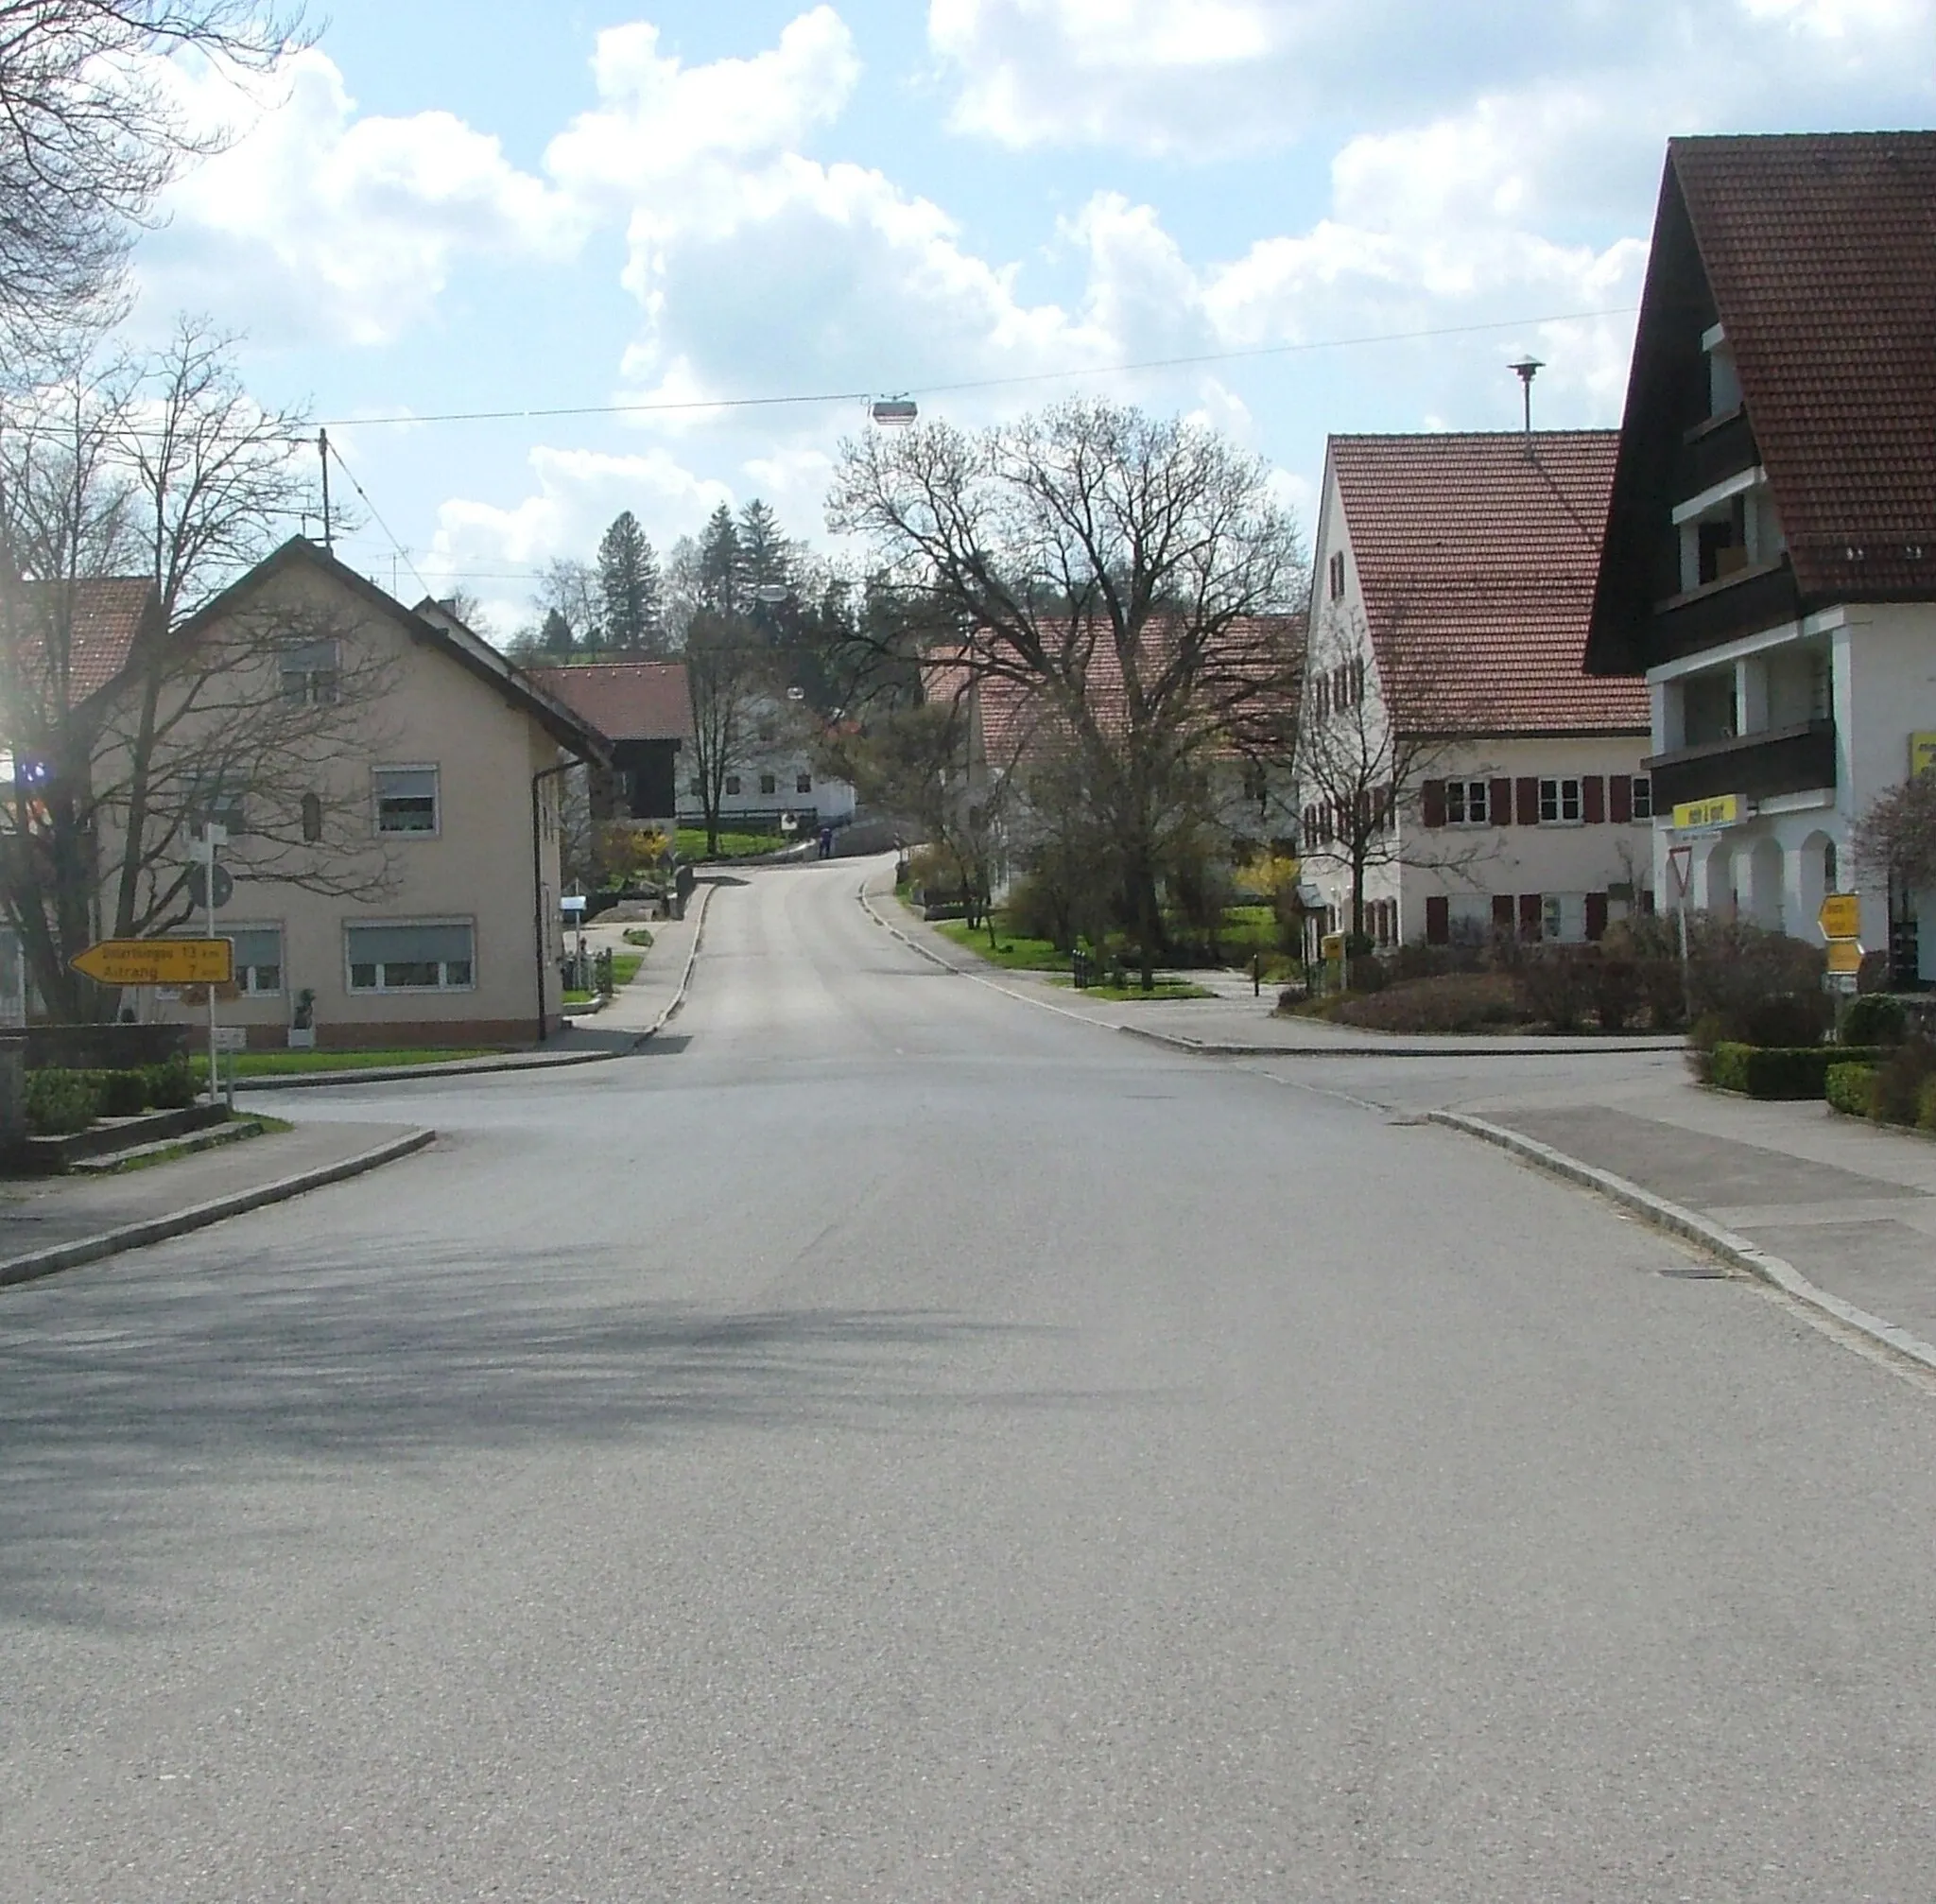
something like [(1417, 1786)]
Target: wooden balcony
[(1755, 766)]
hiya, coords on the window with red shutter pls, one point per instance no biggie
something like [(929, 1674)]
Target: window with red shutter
[(1433, 803), (1531, 915), (1526, 802), (1593, 799), (1620, 797), (1502, 802), (1502, 912), (1595, 916), (1438, 921)]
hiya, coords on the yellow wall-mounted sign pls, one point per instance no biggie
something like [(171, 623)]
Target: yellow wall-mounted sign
[(1922, 753), (1331, 945), (1709, 815)]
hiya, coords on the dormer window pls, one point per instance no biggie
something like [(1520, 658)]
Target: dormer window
[(1723, 385)]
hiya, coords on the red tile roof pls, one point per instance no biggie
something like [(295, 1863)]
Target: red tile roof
[(624, 700), (105, 616), (1819, 250), (1262, 649), (1476, 562)]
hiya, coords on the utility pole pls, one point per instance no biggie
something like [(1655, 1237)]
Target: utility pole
[(322, 450)]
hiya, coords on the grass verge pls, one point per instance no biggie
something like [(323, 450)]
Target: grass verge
[(295, 1064)]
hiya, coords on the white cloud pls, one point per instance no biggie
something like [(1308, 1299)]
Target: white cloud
[(318, 221)]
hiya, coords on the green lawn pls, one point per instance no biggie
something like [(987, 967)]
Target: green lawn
[(692, 843), (1010, 953), (1125, 994), (639, 935), (293, 1063)]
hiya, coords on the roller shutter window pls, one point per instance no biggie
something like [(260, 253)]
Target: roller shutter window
[(258, 959), (405, 799), (432, 958)]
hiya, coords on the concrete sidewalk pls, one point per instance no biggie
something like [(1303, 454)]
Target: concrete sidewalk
[(59, 1222), (1850, 1206), (1234, 1023)]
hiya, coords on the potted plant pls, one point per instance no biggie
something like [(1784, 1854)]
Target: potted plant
[(302, 1025)]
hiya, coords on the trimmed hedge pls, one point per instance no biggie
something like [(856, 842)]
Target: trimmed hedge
[(58, 1104), (1847, 1088), (1784, 1071)]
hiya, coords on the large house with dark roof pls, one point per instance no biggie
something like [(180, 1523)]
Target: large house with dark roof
[(1449, 735), (1770, 559)]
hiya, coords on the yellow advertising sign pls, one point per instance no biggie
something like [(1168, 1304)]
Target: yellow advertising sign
[(160, 962), (1709, 815), (1331, 945), (1844, 956), (1841, 916), (1922, 753)]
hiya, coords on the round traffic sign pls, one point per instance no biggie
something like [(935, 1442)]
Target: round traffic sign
[(197, 886)]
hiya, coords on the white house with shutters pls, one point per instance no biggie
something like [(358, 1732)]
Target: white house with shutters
[(1452, 586)]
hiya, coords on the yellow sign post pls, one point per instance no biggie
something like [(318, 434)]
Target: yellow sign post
[(1709, 815), (1841, 916), (1844, 956), (159, 962)]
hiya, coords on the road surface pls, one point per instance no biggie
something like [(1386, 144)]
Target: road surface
[(890, 1442)]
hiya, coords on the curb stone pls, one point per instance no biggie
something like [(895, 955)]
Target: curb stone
[(478, 1067), (1736, 1250), (200, 1215)]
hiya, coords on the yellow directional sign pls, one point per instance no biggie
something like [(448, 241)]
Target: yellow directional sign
[(1844, 956), (1841, 916), (160, 962), (1707, 815), (1922, 753)]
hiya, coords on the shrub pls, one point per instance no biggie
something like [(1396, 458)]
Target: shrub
[(1926, 1107), (1617, 992), (1458, 1001), (1559, 986), (1782, 1072), (1847, 1088), (1662, 991), (123, 1094), (1875, 1018), (1786, 1019), (170, 1086), (1734, 965), (61, 1102), (1896, 1097)]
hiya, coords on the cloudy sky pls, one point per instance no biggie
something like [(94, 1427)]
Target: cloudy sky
[(509, 205)]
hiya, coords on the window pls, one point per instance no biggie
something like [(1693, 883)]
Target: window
[(406, 799), (769, 784), (1559, 802), (732, 783), (803, 783), (1468, 803), (1337, 570), (429, 958), (1643, 797), (1563, 918), (258, 959), (310, 674), (312, 817)]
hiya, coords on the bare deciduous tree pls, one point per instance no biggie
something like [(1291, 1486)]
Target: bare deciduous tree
[(729, 682), (169, 475), (93, 133), (1368, 739), (1106, 562), (1895, 838)]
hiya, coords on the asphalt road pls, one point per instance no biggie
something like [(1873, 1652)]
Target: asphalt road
[(894, 1444)]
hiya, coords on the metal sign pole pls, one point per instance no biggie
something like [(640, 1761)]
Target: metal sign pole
[(208, 893)]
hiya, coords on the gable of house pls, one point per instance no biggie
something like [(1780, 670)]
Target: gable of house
[(1810, 261)]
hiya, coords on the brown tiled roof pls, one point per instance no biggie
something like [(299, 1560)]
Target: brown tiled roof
[(105, 616), (624, 700), (1255, 647), (1476, 562), (1819, 250)]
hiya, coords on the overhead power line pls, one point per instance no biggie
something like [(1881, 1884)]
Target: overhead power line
[(808, 399)]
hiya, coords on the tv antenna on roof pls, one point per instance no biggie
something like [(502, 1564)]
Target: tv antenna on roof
[(1526, 369)]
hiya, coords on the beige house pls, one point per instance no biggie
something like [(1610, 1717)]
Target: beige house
[(392, 830)]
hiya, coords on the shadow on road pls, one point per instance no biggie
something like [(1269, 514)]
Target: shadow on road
[(121, 1395)]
